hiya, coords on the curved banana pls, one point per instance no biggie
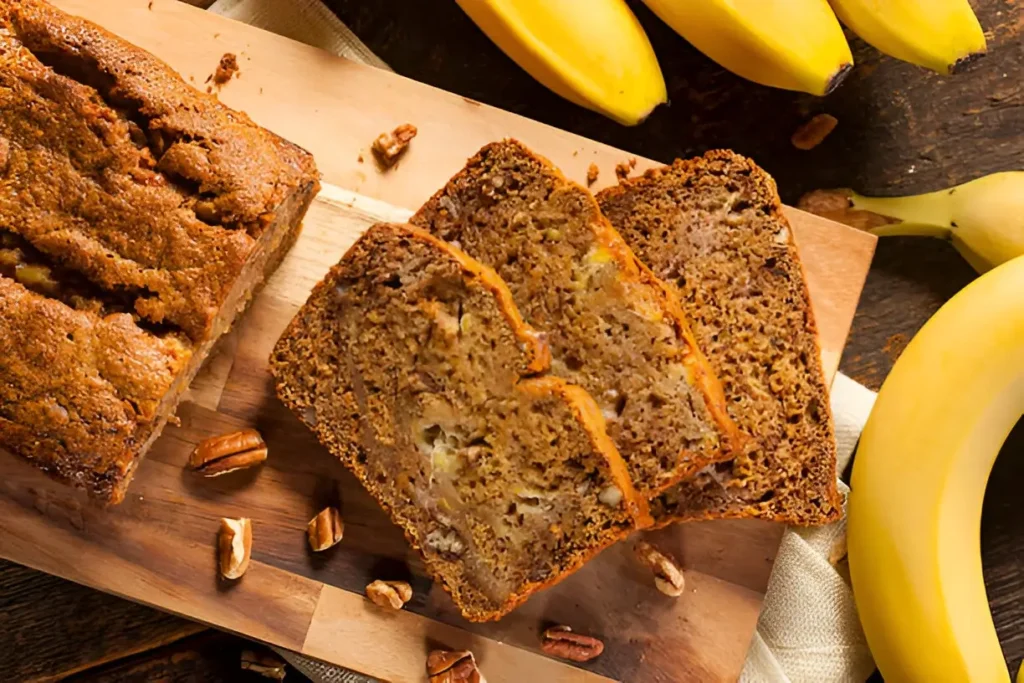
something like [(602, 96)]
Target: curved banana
[(983, 218), (791, 44), (591, 52), (914, 514), (942, 35)]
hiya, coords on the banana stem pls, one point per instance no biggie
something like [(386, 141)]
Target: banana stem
[(924, 214)]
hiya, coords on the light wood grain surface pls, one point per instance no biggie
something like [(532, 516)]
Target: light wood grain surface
[(157, 547)]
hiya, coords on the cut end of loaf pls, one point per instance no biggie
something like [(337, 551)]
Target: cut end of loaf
[(713, 228)]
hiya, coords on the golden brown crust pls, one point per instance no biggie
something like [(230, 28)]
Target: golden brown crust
[(714, 227), (139, 215)]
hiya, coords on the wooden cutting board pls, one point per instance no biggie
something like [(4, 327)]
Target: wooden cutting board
[(158, 546)]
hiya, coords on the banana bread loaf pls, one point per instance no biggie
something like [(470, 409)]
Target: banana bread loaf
[(614, 328), (410, 363), (139, 215), (714, 227)]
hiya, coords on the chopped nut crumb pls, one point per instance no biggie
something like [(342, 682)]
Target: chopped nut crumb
[(623, 169), (226, 69), (360, 158), (592, 172), (389, 147), (813, 132), (393, 594)]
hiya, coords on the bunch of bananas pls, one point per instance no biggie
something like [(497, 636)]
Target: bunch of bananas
[(595, 53)]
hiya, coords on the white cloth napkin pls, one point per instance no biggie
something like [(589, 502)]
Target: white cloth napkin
[(808, 631)]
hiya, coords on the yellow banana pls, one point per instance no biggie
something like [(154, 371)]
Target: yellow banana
[(591, 52), (983, 218), (914, 514), (942, 35), (791, 44)]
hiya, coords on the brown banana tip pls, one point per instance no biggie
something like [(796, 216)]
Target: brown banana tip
[(961, 64), (838, 77)]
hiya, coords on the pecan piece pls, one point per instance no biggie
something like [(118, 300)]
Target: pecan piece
[(325, 530), (561, 642), (668, 577), (235, 544), (453, 667), (389, 147), (265, 663), (393, 594), (813, 132), (227, 68), (623, 169), (222, 454)]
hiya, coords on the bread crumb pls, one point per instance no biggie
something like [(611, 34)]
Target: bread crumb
[(814, 131), (623, 169), (150, 5), (360, 159), (592, 173), (226, 69), (389, 147)]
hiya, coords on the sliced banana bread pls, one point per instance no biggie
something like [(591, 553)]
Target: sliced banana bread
[(614, 328), (714, 227), (408, 363)]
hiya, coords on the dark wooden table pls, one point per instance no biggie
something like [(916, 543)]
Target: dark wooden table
[(901, 130)]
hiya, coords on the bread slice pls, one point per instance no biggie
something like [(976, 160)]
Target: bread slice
[(614, 328), (409, 362), (137, 218), (714, 227)]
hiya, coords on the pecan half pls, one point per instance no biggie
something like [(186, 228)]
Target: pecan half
[(389, 147), (325, 530), (561, 642), (265, 663), (813, 132), (235, 544), (222, 454), (453, 667), (393, 594), (668, 577)]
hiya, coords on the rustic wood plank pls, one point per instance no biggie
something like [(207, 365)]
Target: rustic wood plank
[(49, 627), (209, 657)]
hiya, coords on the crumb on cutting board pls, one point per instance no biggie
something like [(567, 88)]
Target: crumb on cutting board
[(592, 173), (623, 169), (388, 148), (226, 70)]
